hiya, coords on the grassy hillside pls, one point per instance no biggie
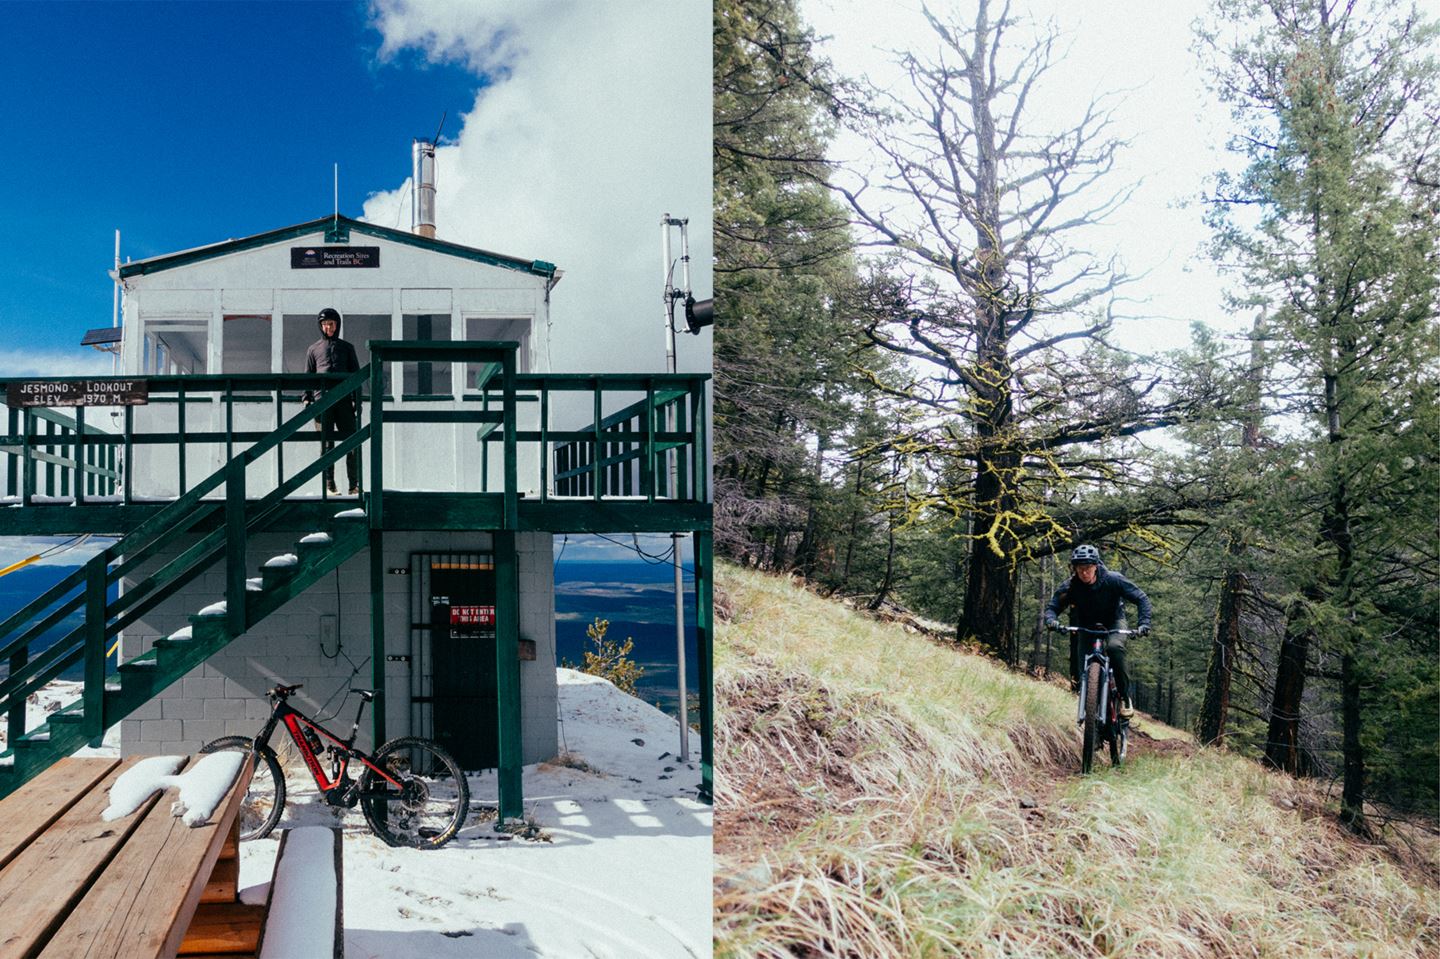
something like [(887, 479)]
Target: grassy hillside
[(882, 795)]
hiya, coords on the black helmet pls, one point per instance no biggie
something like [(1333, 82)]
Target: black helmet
[(329, 313), (1085, 554)]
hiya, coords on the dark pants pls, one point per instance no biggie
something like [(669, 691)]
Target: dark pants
[(1114, 648), (336, 425)]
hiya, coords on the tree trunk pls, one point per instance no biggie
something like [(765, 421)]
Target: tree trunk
[(1352, 797), (1225, 641), (989, 612), (889, 580), (809, 548), (1042, 594), (1282, 741)]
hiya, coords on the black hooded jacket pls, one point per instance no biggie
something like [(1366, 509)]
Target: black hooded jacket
[(1101, 603), (330, 354)]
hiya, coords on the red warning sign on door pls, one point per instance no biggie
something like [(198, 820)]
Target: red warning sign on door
[(472, 615)]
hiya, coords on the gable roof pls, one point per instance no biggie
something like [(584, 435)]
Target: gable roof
[(341, 226)]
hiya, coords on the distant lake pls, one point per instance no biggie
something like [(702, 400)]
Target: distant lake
[(638, 598), (19, 588)]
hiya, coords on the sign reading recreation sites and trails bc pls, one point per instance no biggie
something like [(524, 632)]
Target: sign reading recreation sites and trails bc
[(23, 393), (321, 257)]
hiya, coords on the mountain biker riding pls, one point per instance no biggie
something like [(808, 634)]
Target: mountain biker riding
[(1096, 598)]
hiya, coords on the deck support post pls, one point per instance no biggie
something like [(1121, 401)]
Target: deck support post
[(507, 674), (377, 634), (93, 691), (236, 620), (705, 659)]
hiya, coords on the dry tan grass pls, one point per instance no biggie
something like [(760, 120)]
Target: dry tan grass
[(878, 798)]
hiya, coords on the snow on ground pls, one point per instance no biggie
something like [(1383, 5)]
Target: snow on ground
[(625, 873), (622, 870)]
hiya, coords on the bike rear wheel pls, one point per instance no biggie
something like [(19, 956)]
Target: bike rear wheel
[(433, 799), (264, 801), (1091, 732), (1119, 743)]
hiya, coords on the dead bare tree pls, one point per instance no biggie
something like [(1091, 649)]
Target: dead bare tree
[(994, 295)]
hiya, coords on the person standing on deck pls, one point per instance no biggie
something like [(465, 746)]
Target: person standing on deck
[(330, 354)]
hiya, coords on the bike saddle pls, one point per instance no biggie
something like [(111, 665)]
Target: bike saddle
[(285, 690), (366, 694)]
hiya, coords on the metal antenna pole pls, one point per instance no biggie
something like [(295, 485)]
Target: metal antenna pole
[(666, 222), (115, 306)]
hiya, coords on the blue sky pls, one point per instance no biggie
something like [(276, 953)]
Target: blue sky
[(186, 123)]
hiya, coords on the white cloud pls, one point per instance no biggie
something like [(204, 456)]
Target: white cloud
[(71, 362), (597, 122)]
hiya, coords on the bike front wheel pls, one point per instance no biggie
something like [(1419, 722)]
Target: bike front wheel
[(426, 803), (1091, 732), (264, 801)]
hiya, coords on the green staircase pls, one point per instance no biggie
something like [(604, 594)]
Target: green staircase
[(220, 531)]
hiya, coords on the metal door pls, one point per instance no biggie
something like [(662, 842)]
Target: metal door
[(453, 619)]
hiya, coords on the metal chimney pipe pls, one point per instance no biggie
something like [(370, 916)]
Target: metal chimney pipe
[(422, 194)]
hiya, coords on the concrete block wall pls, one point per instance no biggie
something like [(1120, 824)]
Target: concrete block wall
[(225, 696)]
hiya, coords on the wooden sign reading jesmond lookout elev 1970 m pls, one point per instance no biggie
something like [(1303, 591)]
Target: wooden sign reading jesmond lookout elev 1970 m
[(110, 392)]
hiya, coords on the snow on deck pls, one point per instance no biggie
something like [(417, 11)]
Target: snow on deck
[(201, 787)]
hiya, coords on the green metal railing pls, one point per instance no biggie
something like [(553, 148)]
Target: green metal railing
[(223, 529), (654, 447), (57, 454), (650, 440)]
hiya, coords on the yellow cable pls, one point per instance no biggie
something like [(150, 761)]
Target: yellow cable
[(14, 566)]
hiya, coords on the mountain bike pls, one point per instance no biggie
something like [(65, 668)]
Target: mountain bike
[(1099, 707), (411, 791)]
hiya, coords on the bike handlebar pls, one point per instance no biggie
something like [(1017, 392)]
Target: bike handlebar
[(1098, 632)]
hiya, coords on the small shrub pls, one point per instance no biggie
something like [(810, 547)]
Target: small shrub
[(610, 658)]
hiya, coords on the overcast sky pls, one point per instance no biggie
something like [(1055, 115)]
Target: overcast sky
[(1142, 54)]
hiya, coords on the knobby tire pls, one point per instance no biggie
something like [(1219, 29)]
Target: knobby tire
[(1092, 716), (264, 802), (1119, 743), (435, 805)]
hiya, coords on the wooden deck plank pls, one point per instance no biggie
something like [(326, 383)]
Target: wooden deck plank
[(28, 812), (143, 903), (39, 886)]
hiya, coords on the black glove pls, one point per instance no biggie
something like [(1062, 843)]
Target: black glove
[(1052, 624), (1143, 629)]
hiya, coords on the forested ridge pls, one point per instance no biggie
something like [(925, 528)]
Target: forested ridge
[(920, 400)]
